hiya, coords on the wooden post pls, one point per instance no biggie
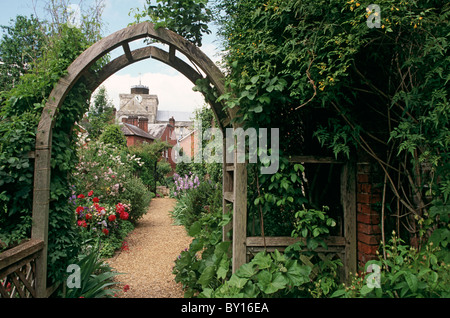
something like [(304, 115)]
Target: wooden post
[(227, 190), (39, 230), (348, 197), (239, 210)]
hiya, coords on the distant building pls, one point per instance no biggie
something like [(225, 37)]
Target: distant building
[(141, 121)]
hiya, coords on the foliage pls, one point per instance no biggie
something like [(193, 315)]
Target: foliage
[(21, 108), (21, 46), (149, 168), (335, 86), (107, 170), (265, 275), (138, 196), (188, 18), (274, 198), (405, 272), (113, 135), (94, 220), (100, 115), (194, 199), (96, 277), (206, 262)]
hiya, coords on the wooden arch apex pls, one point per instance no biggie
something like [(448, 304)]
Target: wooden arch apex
[(80, 67)]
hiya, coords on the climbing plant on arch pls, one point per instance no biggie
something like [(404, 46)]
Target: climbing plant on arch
[(79, 69)]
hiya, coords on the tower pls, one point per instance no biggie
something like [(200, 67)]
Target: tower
[(138, 103)]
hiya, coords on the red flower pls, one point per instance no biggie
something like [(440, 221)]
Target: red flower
[(88, 216), (80, 209), (124, 216), (105, 231), (126, 288), (111, 218), (95, 200), (80, 196), (120, 208), (90, 193), (82, 223)]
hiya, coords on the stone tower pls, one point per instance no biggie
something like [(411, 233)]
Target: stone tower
[(139, 103)]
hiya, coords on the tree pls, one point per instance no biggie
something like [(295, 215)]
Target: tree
[(188, 18), (113, 135), (20, 48), (100, 114)]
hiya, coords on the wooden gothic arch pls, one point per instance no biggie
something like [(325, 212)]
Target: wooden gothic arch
[(235, 176)]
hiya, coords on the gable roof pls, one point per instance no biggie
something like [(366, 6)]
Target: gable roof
[(132, 130)]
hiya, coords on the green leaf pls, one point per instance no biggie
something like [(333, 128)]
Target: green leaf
[(247, 270), (237, 281), (257, 109)]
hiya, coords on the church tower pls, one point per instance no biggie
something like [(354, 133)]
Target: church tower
[(138, 104)]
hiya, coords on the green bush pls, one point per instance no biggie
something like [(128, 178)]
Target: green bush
[(137, 195), (405, 273)]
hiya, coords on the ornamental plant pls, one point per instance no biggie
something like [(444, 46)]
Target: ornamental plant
[(95, 220), (184, 184)]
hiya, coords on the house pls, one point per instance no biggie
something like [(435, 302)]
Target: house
[(136, 131)]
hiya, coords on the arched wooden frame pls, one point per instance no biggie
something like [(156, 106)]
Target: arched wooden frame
[(237, 180)]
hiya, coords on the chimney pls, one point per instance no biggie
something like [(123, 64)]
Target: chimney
[(143, 124), (133, 120), (172, 122)]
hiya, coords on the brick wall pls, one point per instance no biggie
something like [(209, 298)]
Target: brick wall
[(368, 198)]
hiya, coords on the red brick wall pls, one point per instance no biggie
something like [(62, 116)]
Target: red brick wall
[(368, 198)]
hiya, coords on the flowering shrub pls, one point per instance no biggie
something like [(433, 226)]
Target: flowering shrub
[(182, 185), (107, 170), (97, 220)]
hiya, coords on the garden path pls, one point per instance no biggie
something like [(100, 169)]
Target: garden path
[(152, 248)]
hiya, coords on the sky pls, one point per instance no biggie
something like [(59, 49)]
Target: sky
[(173, 89)]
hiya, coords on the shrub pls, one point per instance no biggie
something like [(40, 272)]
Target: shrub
[(137, 195), (405, 272)]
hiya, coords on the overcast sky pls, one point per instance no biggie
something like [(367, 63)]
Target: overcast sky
[(173, 89)]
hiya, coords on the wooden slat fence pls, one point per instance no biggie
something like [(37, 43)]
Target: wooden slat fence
[(18, 270)]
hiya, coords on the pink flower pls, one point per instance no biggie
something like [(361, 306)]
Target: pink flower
[(80, 196), (90, 193)]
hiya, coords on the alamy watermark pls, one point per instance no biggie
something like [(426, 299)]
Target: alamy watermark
[(74, 16), (236, 147), (374, 18)]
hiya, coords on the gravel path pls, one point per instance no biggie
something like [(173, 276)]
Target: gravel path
[(152, 248)]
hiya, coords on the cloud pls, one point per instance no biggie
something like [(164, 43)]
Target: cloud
[(174, 91)]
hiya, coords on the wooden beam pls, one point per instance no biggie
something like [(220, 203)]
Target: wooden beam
[(15, 254), (126, 49), (172, 51), (284, 241), (314, 159)]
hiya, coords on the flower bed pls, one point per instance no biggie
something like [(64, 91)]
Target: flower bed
[(109, 222)]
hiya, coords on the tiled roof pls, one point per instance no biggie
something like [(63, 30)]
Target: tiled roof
[(131, 130)]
